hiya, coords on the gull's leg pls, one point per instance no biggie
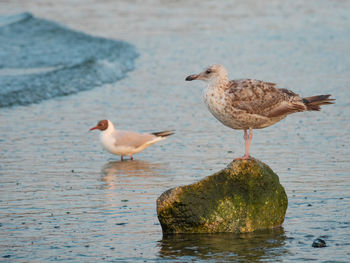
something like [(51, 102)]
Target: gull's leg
[(247, 140), (247, 143)]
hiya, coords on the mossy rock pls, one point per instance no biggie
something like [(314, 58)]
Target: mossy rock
[(243, 197)]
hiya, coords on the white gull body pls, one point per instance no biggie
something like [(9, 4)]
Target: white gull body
[(126, 143)]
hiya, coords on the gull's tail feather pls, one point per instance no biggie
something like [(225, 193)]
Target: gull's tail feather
[(313, 103), (164, 133)]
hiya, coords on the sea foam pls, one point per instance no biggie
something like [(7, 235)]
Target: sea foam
[(41, 59)]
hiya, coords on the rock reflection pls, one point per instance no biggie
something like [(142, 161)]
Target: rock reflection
[(252, 247)]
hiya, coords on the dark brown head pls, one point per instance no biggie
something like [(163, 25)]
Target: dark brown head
[(101, 125)]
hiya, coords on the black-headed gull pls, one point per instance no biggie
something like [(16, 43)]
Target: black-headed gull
[(126, 143), (251, 104)]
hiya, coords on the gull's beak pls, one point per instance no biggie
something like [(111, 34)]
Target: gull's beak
[(192, 77), (93, 128)]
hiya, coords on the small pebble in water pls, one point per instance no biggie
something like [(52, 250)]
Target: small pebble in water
[(121, 224), (309, 205), (319, 243)]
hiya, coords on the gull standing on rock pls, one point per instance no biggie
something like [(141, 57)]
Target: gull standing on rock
[(126, 143), (248, 104)]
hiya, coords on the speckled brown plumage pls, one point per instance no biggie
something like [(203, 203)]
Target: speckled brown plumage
[(251, 104), (256, 97)]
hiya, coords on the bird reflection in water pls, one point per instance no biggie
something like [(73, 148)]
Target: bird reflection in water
[(251, 247), (124, 171)]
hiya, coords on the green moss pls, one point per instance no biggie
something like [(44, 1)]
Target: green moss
[(243, 197)]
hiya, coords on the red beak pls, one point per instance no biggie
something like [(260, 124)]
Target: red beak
[(93, 128)]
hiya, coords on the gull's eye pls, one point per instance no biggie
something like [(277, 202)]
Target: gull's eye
[(208, 71)]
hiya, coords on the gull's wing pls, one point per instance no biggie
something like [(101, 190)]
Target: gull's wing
[(263, 98), (132, 139)]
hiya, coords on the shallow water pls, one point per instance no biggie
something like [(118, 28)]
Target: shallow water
[(63, 198), (41, 60)]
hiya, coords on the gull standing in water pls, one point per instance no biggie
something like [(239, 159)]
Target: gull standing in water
[(126, 143), (248, 104)]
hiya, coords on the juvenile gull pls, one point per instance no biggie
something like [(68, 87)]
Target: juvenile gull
[(251, 104), (126, 143)]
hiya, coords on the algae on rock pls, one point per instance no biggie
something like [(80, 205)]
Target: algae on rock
[(243, 197)]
